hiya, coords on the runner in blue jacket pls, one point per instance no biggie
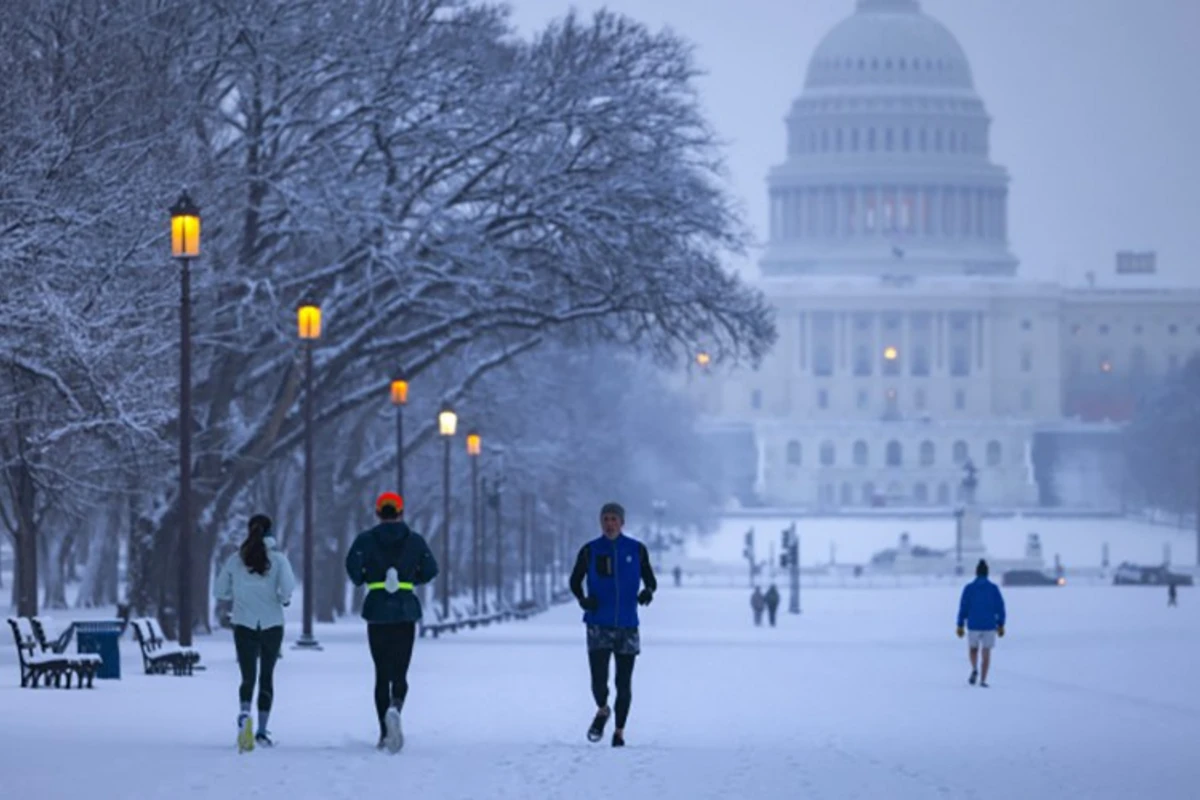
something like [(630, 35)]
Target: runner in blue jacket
[(981, 609), (614, 566)]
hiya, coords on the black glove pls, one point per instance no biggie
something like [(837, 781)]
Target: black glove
[(644, 597), (589, 603)]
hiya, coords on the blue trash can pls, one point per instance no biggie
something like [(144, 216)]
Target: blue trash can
[(101, 636)]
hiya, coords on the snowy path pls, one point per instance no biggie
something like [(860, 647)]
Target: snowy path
[(1094, 696)]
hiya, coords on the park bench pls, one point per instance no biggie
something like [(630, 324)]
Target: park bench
[(85, 665), (37, 666), (159, 654)]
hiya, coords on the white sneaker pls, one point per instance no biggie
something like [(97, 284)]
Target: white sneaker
[(394, 738)]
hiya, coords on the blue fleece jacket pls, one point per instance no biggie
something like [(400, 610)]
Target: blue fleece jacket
[(981, 606)]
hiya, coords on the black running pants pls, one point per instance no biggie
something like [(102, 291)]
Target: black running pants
[(255, 647), (598, 662), (391, 650)]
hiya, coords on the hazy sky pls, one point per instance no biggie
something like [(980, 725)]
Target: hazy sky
[(1095, 107)]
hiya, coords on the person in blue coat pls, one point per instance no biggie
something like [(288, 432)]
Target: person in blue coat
[(614, 566), (390, 559), (981, 610)]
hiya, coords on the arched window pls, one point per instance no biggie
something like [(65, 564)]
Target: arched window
[(960, 452), (860, 453), (943, 496), (868, 491), (828, 454), (994, 453), (921, 494), (928, 454), (793, 452), (847, 494), (895, 454)]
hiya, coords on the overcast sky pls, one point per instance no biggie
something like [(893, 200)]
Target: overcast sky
[(1095, 107)]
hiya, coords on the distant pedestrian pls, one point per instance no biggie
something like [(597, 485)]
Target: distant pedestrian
[(614, 566), (678, 573), (390, 559), (772, 598), (1172, 595), (981, 609), (258, 581), (757, 603)]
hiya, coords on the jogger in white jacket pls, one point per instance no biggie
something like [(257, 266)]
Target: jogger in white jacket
[(259, 581)]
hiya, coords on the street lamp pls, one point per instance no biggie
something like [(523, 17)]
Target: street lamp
[(308, 323), (494, 502), (703, 359), (447, 425), (399, 400), (474, 448), (185, 245), (660, 508)]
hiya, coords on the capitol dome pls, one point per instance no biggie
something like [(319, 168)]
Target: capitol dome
[(889, 43), (888, 167)]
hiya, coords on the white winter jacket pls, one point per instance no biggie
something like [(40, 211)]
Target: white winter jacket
[(258, 600)]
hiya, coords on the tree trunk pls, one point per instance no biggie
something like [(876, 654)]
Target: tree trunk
[(25, 572)]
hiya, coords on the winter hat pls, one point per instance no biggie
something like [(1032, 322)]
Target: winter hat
[(981, 569), (613, 508), (389, 500)]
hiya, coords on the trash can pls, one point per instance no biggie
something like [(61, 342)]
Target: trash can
[(103, 637)]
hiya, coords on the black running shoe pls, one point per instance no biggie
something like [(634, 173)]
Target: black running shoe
[(263, 739), (596, 731), (974, 677), (618, 740), (983, 685)]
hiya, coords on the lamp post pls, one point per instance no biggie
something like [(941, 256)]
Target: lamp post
[(447, 425), (494, 502), (185, 245), (308, 322), (399, 400), (474, 448), (660, 508)]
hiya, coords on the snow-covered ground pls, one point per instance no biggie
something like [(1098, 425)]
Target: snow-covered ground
[(1094, 695)]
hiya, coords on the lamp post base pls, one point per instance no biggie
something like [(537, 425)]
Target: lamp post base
[(307, 643)]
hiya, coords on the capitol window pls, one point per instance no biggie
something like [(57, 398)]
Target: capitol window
[(1172, 329), (928, 453), (960, 399), (868, 491), (823, 398), (961, 454), (871, 139), (994, 454), (887, 140), (854, 140), (943, 495), (837, 140), (924, 140), (828, 454), (907, 141), (921, 494), (847, 494), (895, 454), (919, 400), (860, 453), (1027, 360), (793, 453), (863, 400)]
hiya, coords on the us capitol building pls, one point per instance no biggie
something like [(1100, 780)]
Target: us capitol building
[(908, 342)]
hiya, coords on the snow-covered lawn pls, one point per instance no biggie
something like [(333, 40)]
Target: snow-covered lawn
[(1094, 695)]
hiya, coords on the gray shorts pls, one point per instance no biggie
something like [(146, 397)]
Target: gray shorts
[(984, 639), (622, 641)]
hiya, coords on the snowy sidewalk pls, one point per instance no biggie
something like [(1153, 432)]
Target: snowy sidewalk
[(862, 696)]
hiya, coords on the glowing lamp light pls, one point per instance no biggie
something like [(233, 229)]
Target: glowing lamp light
[(1062, 581), (308, 320), (185, 227), (1106, 366), (447, 421), (474, 444), (891, 353), (399, 391), (703, 359)]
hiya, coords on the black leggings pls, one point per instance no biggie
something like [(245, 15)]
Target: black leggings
[(598, 661), (254, 646), (391, 650)]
